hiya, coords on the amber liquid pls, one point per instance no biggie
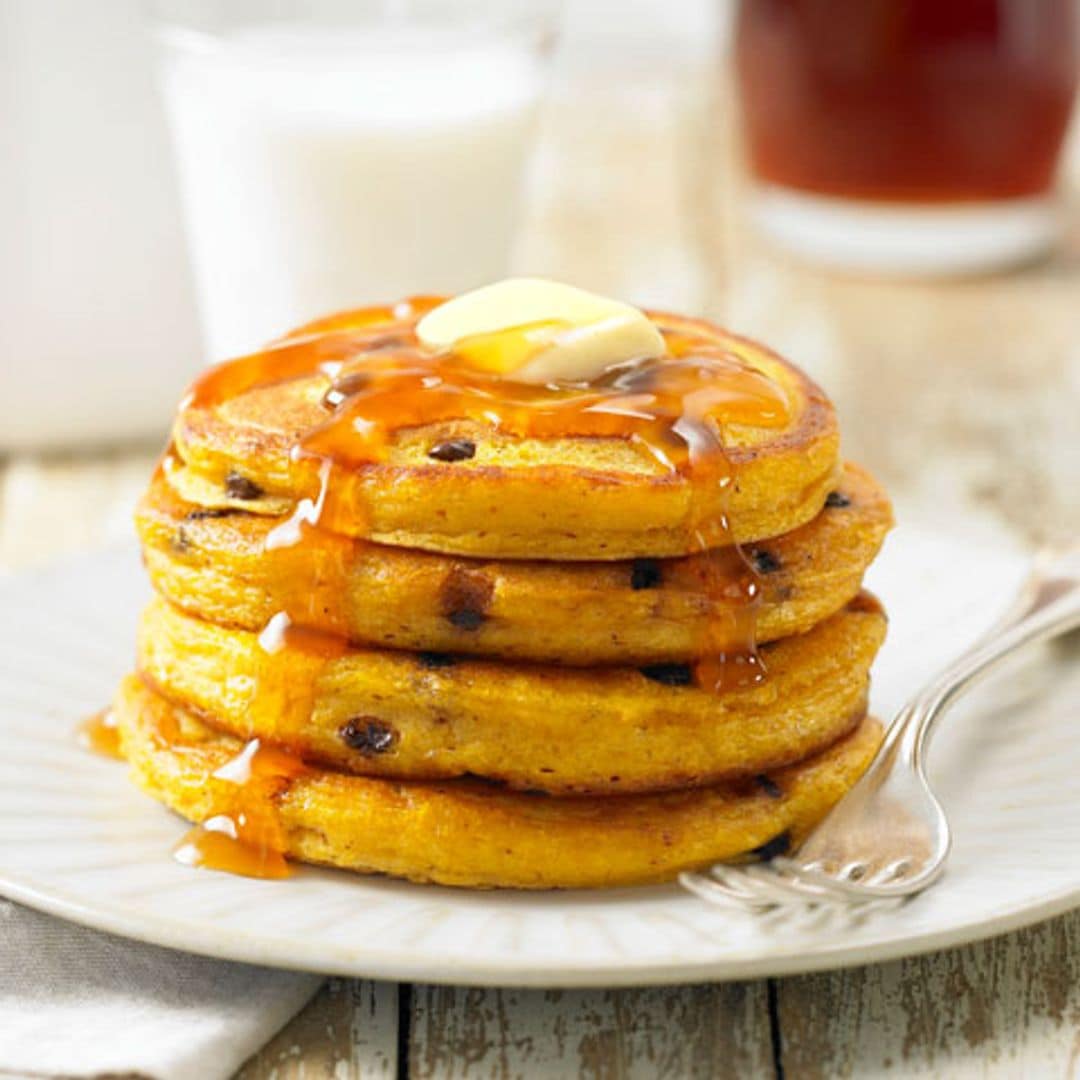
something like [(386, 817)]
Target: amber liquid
[(377, 379), (99, 733), (907, 100), (244, 834)]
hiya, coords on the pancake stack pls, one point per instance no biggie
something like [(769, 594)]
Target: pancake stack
[(417, 619)]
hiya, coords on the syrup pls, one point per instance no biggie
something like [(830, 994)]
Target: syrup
[(909, 100), (244, 834), (100, 734), (380, 380)]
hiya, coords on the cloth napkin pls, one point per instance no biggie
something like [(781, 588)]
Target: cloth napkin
[(78, 1003)]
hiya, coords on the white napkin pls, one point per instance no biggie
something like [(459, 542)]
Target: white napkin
[(78, 1003)]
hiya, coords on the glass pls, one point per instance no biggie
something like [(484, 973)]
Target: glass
[(337, 154), (939, 123)]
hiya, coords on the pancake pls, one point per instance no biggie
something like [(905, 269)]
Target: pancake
[(534, 727), (568, 497), (216, 565), (464, 833)]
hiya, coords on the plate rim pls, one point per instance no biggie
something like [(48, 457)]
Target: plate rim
[(403, 967), (400, 964)]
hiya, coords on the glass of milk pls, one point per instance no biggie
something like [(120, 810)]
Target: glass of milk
[(341, 154)]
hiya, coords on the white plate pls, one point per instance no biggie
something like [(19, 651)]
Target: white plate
[(77, 840)]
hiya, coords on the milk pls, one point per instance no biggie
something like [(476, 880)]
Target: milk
[(323, 169)]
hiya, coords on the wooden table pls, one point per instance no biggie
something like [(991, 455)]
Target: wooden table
[(962, 396)]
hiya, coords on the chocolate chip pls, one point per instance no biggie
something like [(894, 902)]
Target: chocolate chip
[(769, 786), (465, 598), (467, 619), (346, 387), (435, 660), (778, 845), (487, 781), (386, 341), (453, 450), (837, 500), (179, 541), (764, 561), (211, 512), (240, 487), (645, 574), (669, 674), (367, 735)]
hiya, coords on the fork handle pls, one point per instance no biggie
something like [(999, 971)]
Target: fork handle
[(1047, 605)]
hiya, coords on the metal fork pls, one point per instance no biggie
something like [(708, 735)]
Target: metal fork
[(888, 838)]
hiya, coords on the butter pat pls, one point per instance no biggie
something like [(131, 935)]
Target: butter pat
[(535, 331)]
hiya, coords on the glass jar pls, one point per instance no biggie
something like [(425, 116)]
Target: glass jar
[(907, 135)]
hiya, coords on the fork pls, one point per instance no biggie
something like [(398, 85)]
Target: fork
[(888, 838)]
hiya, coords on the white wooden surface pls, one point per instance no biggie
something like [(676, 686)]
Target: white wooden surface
[(350, 1029), (707, 1031)]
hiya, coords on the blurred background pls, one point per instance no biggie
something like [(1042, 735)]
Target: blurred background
[(884, 190)]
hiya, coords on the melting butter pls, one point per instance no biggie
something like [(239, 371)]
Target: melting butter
[(536, 331)]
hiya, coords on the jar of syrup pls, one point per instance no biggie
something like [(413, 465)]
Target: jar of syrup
[(914, 136)]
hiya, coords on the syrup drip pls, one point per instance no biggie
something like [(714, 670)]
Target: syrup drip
[(667, 410), (243, 834), (727, 651), (380, 380), (100, 734)]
